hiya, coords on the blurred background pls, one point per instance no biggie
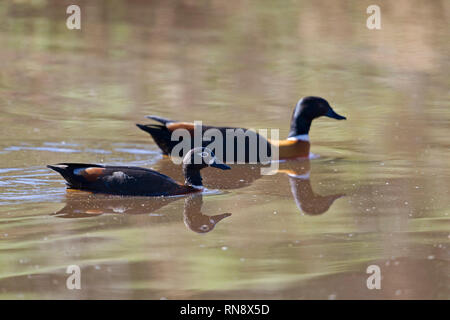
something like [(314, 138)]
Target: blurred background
[(378, 191)]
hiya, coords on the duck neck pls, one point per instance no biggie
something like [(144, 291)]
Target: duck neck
[(299, 126), (192, 177)]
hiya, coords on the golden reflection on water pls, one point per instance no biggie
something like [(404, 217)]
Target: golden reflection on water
[(377, 194)]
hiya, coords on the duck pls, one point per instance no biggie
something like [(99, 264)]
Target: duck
[(136, 181), (296, 145)]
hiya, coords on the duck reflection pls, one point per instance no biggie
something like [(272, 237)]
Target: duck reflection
[(193, 217), (83, 205), (243, 175), (306, 200)]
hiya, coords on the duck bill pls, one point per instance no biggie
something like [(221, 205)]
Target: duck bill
[(220, 166), (334, 115)]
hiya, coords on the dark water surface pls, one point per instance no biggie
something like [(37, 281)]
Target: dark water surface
[(377, 193)]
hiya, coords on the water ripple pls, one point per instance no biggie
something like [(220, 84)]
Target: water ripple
[(39, 184)]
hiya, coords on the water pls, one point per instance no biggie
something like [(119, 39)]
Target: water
[(378, 189)]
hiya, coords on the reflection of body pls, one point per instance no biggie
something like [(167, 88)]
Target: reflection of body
[(238, 177), (244, 175), (82, 205)]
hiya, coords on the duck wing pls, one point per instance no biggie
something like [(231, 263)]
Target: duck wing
[(162, 135)]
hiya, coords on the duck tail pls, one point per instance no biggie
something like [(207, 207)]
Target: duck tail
[(66, 171), (60, 168), (161, 135), (160, 119)]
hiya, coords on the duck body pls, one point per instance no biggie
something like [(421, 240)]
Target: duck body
[(120, 180), (292, 148), (162, 135), (297, 144), (136, 181)]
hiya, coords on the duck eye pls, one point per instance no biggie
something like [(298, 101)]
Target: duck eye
[(204, 155)]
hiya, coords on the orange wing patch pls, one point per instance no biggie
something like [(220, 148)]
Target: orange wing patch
[(180, 125), (91, 174)]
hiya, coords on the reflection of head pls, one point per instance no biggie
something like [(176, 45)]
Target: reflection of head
[(195, 220), (306, 200)]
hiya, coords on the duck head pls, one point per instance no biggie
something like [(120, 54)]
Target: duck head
[(197, 159), (195, 220), (308, 109)]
